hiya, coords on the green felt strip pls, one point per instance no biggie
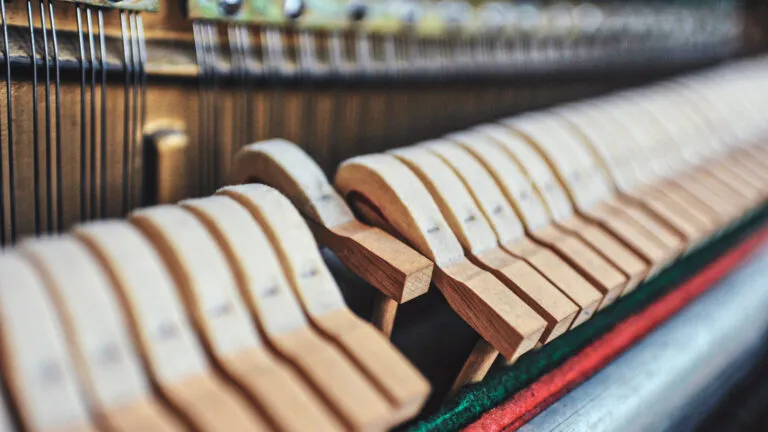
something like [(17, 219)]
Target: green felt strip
[(474, 400)]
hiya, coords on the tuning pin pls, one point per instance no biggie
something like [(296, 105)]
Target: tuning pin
[(357, 10), (391, 59), (230, 7), (308, 63), (275, 53), (337, 59), (293, 9), (363, 56)]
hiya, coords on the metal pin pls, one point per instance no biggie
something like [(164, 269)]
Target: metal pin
[(363, 52), (237, 72), (59, 169), (307, 54), (240, 36), (243, 40), (308, 63), (336, 60), (93, 139), (213, 38), (202, 102), (413, 68), (142, 44), (2, 186), (275, 65), (358, 107), (136, 61), (207, 120), (498, 51), (48, 149), (83, 126), (103, 66), (35, 136), (393, 70), (260, 103), (336, 52), (445, 54), (248, 58), (415, 60), (11, 170), (127, 154), (210, 137)]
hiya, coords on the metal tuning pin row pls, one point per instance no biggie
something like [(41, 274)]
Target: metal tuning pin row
[(494, 39), (57, 156), (281, 67)]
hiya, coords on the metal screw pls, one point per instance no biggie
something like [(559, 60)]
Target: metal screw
[(412, 14), (230, 7), (357, 11), (293, 9)]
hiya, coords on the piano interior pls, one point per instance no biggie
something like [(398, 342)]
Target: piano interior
[(356, 214)]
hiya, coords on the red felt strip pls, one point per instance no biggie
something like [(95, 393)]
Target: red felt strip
[(549, 388)]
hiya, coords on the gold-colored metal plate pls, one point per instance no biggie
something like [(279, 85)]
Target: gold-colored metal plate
[(426, 18), (132, 5)]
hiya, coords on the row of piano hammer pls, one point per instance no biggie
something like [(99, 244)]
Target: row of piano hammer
[(532, 224), (215, 314)]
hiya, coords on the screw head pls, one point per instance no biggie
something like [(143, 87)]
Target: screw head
[(357, 10), (412, 13), (230, 7), (293, 9)]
